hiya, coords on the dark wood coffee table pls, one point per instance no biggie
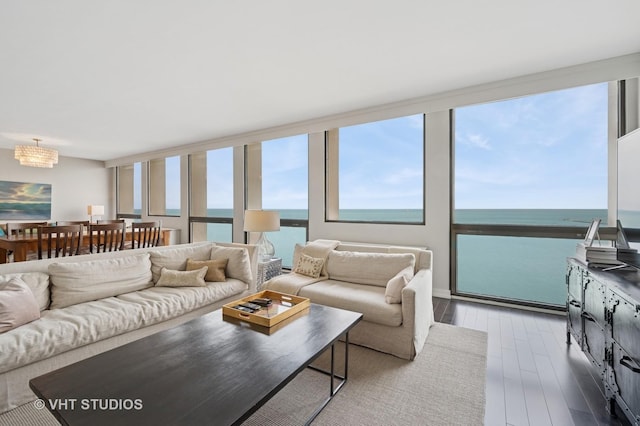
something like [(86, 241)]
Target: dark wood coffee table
[(207, 371)]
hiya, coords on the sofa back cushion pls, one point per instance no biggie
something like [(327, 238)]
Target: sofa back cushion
[(367, 268), (38, 283), (423, 255), (176, 258), (73, 283), (239, 264)]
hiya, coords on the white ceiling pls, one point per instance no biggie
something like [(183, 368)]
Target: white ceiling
[(108, 79)]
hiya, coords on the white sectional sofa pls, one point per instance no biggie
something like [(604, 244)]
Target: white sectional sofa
[(390, 285), (92, 303)]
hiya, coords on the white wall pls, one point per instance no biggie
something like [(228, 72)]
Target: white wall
[(75, 183), (434, 234)]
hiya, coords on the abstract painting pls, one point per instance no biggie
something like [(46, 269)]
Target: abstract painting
[(25, 201)]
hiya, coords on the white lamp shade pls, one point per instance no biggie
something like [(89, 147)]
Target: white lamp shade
[(95, 210), (261, 221)]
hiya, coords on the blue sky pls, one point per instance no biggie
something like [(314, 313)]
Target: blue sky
[(381, 164), (542, 151)]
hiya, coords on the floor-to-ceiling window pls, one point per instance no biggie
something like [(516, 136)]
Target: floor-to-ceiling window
[(164, 186), (211, 195), (285, 188), (129, 191), (530, 174)]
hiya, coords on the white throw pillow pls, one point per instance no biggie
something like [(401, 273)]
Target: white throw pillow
[(309, 266), (171, 278), (393, 292), (18, 306), (38, 283), (239, 265), (78, 282)]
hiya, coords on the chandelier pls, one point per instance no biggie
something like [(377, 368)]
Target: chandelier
[(36, 156)]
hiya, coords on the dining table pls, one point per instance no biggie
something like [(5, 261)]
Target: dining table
[(22, 244)]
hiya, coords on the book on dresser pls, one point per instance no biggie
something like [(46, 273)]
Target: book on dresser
[(598, 254)]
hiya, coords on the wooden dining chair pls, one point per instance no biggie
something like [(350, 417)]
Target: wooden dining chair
[(24, 228), (145, 234), (105, 237), (59, 241), (103, 221), (73, 222)]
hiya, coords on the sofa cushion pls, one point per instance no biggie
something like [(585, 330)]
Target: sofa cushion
[(367, 268), (38, 283), (393, 292), (60, 330), (176, 258), (77, 282), (171, 278), (239, 264), (18, 306), (367, 299), (309, 266), (215, 268)]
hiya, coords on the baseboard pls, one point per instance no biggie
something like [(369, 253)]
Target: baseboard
[(510, 305), (442, 293)]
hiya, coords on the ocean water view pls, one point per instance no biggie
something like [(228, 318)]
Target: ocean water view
[(520, 268)]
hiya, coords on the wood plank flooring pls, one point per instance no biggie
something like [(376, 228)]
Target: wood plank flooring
[(533, 376)]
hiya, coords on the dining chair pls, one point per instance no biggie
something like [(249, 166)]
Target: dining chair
[(84, 248), (24, 228), (105, 237), (145, 234), (59, 241), (103, 221), (73, 222)]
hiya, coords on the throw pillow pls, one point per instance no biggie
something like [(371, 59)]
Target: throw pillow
[(38, 283), (171, 278), (393, 292), (215, 271), (309, 266), (18, 306)]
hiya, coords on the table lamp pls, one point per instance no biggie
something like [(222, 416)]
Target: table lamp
[(95, 210), (262, 221)]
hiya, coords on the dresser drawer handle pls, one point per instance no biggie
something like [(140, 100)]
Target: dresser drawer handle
[(626, 361)]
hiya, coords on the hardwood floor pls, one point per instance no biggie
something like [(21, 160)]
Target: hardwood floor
[(533, 376)]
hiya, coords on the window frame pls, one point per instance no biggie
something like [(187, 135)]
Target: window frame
[(332, 172)]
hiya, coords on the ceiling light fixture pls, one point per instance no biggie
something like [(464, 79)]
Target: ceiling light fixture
[(36, 156)]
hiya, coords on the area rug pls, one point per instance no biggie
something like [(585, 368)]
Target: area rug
[(444, 385)]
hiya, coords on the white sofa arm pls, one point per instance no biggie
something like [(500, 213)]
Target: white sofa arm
[(417, 307)]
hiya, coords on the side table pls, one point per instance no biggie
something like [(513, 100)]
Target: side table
[(268, 270)]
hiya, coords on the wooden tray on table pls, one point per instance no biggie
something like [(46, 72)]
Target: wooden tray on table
[(282, 307)]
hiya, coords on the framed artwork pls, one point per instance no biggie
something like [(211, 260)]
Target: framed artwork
[(25, 201)]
